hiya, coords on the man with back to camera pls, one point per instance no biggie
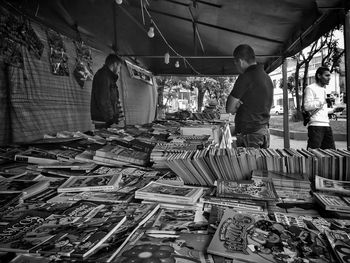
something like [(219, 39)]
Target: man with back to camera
[(319, 132), (251, 100), (105, 106)]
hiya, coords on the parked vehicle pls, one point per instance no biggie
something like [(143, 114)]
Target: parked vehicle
[(276, 109)]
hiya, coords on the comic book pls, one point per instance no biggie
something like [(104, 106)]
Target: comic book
[(244, 238)]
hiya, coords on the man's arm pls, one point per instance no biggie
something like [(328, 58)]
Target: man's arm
[(232, 104), (310, 103)]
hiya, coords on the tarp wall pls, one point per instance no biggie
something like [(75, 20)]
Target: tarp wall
[(41, 102)]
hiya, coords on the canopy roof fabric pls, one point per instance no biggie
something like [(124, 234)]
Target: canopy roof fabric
[(200, 34)]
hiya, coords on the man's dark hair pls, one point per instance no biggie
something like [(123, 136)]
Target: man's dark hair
[(320, 71), (245, 52), (112, 58)]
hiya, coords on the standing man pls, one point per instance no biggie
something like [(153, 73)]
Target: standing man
[(319, 132), (105, 105), (251, 100)]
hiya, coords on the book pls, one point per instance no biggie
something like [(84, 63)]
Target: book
[(36, 156), (27, 188), (90, 183), (331, 202), (329, 185), (155, 191), (258, 190), (244, 237)]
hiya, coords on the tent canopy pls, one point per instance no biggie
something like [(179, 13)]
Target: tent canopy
[(200, 34)]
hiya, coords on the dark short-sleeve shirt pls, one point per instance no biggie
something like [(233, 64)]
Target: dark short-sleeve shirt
[(255, 89)]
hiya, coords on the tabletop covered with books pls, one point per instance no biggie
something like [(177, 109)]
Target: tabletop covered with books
[(164, 193)]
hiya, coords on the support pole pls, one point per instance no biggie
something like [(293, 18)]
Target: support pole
[(347, 73), (115, 44), (285, 106)]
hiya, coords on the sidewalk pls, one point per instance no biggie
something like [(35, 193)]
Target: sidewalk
[(277, 142)]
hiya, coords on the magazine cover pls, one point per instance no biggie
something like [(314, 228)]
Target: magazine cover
[(242, 237), (329, 185), (90, 183), (261, 190)]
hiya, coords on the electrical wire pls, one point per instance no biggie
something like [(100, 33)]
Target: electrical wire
[(167, 43)]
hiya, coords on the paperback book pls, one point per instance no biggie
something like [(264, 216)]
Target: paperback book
[(90, 183)]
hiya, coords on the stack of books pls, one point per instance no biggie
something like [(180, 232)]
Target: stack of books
[(167, 193)]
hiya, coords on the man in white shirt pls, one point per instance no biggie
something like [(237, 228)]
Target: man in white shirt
[(320, 134)]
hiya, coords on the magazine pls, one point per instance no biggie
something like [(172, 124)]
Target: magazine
[(329, 185), (260, 189), (155, 191), (182, 248), (74, 236), (175, 221), (331, 202), (27, 188), (339, 241), (12, 236), (90, 183)]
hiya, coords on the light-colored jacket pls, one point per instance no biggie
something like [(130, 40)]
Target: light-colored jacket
[(315, 98)]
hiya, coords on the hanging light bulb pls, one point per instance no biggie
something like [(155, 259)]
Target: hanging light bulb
[(177, 64), (166, 58), (119, 2), (150, 32)]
